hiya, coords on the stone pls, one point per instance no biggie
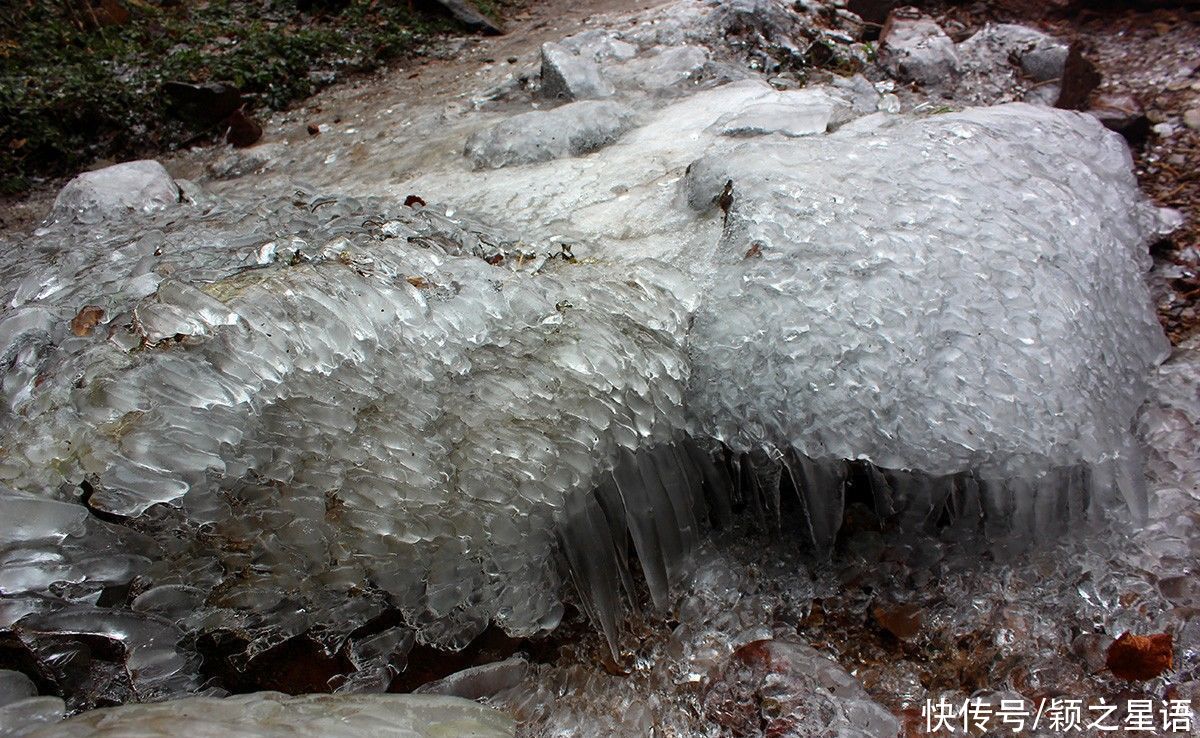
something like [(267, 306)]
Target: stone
[(466, 13), (569, 76), (204, 104), (271, 714), (573, 129), (793, 113), (1041, 57), (243, 130), (669, 68), (240, 162), (1123, 114), (917, 49), (1079, 79), (1191, 118), (135, 186), (872, 11)]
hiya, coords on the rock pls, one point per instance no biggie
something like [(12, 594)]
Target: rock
[(204, 104), (569, 76), (243, 130), (1140, 658), (466, 14), (570, 130), (794, 113), (241, 162), (481, 681), (23, 717), (599, 45), (1079, 79), (15, 686), (267, 714), (1191, 119), (915, 48), (136, 186), (1123, 114), (874, 12), (667, 69), (1040, 56), (858, 91), (786, 687)]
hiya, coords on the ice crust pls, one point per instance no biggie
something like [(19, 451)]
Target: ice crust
[(275, 715), (293, 413)]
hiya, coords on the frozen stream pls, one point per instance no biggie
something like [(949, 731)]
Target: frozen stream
[(803, 402)]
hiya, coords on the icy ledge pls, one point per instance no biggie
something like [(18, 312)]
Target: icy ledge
[(275, 715), (292, 418)]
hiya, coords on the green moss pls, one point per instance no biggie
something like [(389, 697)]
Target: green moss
[(71, 92)]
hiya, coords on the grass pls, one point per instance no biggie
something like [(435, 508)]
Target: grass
[(76, 87)]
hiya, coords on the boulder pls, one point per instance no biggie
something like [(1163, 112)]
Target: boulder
[(570, 76), (132, 187)]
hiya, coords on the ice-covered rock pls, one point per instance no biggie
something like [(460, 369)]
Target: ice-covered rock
[(570, 76), (26, 716), (132, 187), (1039, 55), (661, 70), (1012, 367), (573, 129), (240, 162), (792, 113), (917, 49), (1004, 61), (271, 715)]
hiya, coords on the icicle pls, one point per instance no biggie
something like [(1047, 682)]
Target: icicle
[(820, 488), (717, 488), (642, 519), (594, 564)]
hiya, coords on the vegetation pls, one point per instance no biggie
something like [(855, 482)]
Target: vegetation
[(84, 79)]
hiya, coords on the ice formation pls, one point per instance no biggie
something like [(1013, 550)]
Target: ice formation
[(275, 715), (252, 418)]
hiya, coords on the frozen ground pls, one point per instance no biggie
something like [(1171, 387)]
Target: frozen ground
[(667, 274)]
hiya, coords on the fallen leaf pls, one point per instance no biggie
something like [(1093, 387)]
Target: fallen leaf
[(901, 620), (1140, 658), (412, 200), (419, 282), (83, 323)]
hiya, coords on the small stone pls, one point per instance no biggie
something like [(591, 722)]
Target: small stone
[(1123, 114), (1191, 118), (1140, 658), (313, 129), (1079, 80), (243, 130)]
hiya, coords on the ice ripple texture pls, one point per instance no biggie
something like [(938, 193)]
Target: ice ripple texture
[(957, 294), (293, 415)]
